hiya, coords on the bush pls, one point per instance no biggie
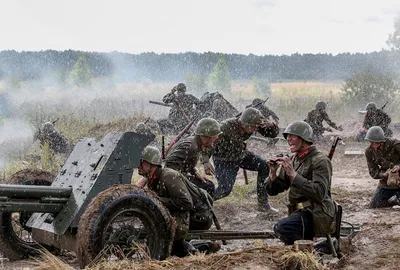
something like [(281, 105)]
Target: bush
[(369, 86)]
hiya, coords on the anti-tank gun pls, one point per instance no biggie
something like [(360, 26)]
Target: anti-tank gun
[(91, 208)]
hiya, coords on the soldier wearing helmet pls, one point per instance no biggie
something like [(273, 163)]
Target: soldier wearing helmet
[(56, 141), (183, 108), (315, 119), (383, 157), (375, 117), (231, 154), (186, 153), (308, 176), (265, 111), (170, 187)]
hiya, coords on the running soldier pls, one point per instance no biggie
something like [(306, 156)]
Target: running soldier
[(315, 119), (231, 154), (383, 159), (308, 176)]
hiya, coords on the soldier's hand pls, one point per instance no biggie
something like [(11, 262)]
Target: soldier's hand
[(267, 124), (209, 168), (287, 165)]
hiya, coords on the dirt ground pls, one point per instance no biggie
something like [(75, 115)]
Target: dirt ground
[(376, 246)]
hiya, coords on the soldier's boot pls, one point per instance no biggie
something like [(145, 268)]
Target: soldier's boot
[(394, 200), (323, 246), (265, 206), (206, 246), (182, 248)]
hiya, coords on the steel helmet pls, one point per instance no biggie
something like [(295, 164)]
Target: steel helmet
[(321, 105), (208, 127), (301, 129), (375, 134), (152, 155), (371, 106), (251, 117)]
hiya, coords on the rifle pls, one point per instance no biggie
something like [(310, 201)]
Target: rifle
[(384, 105), (160, 103), (333, 147), (252, 106), (179, 136)]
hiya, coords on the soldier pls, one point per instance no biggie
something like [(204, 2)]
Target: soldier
[(185, 154), (57, 142), (265, 111), (307, 175), (144, 129), (230, 154), (182, 111), (375, 117), (383, 157), (170, 186), (315, 119), (188, 204)]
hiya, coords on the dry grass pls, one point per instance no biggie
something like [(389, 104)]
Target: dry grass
[(269, 257), (48, 261)]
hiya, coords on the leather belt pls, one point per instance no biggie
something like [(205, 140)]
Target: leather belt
[(303, 205)]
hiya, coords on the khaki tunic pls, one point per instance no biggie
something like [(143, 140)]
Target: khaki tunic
[(312, 183), (377, 118), (185, 154), (231, 145), (315, 119), (171, 188), (380, 161)]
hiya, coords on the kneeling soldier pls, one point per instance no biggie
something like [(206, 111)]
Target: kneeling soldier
[(307, 175), (383, 159)]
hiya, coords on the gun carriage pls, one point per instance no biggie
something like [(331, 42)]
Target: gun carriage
[(91, 208)]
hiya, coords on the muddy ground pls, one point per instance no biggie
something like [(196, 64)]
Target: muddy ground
[(376, 246)]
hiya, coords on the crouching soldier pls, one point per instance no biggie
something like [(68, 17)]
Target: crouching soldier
[(170, 186), (190, 205), (307, 175), (230, 154), (383, 159), (186, 153)]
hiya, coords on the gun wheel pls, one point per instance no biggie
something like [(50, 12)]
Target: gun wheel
[(124, 222), (16, 240)]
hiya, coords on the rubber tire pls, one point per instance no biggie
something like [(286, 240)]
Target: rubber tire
[(104, 206), (11, 245)]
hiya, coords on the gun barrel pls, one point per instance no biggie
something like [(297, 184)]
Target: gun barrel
[(34, 192), (160, 103), (230, 235)]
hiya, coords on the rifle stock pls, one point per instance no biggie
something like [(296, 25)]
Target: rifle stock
[(179, 136), (333, 147)]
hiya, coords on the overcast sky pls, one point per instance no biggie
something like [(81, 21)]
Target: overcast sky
[(171, 26)]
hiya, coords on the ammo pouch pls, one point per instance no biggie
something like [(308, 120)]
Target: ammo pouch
[(201, 215)]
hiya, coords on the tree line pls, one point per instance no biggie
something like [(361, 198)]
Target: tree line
[(28, 65)]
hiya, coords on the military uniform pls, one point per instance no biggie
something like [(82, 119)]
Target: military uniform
[(378, 118), (311, 209), (315, 119), (182, 110), (184, 156), (230, 154), (56, 141), (379, 161)]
